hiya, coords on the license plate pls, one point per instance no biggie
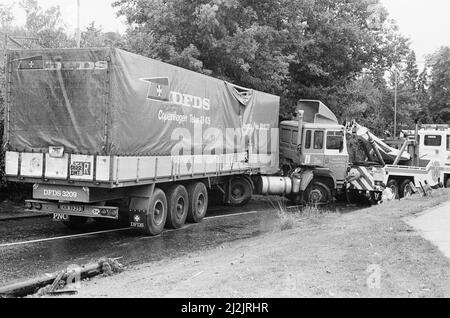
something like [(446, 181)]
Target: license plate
[(80, 169), (58, 217), (71, 208)]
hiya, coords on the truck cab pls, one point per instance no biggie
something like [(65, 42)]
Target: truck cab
[(434, 144), (320, 145)]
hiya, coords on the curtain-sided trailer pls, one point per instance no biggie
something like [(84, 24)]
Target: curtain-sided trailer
[(90, 127)]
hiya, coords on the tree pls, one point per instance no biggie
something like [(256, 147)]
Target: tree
[(93, 36), (439, 90), (6, 17), (45, 25), (293, 48)]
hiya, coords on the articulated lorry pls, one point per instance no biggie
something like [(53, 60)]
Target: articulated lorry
[(107, 134), (97, 129)]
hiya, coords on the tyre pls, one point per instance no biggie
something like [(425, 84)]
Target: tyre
[(354, 197), (317, 193), (405, 189), (393, 184), (241, 191), (177, 206), (76, 222), (157, 213), (447, 183), (198, 202)]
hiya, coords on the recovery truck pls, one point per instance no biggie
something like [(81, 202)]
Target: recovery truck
[(418, 165), (317, 159), (433, 144)]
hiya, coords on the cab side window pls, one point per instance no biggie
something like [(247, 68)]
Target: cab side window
[(285, 135), (335, 140), (308, 139), (433, 141), (318, 139), (294, 140)]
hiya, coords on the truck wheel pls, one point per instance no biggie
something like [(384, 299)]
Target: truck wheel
[(76, 222), (393, 184), (318, 193), (447, 183), (406, 190), (157, 214), (241, 191), (177, 206), (198, 202)]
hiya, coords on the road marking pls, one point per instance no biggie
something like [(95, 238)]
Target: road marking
[(119, 230), (230, 215), (63, 237)]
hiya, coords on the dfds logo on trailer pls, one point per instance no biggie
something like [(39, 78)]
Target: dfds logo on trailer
[(159, 90)]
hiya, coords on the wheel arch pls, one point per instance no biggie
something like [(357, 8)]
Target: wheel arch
[(327, 177), (401, 179)]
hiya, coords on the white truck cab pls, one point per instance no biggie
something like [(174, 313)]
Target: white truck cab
[(434, 144)]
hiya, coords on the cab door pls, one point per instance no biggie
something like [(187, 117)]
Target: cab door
[(447, 152), (432, 148), (313, 149), (336, 155)]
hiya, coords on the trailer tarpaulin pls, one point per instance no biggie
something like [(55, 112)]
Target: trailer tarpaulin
[(57, 97), (109, 101)]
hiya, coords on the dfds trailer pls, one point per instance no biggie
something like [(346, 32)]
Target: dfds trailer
[(94, 127)]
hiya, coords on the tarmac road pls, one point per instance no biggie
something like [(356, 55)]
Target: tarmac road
[(32, 247)]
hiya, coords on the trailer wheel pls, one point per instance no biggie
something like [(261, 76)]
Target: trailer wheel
[(406, 190), (198, 202), (157, 214), (177, 206), (393, 184), (240, 192), (317, 193), (76, 222)]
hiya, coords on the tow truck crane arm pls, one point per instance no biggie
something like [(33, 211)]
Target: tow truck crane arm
[(383, 151)]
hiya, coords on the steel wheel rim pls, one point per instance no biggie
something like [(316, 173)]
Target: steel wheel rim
[(238, 191), (316, 196), (200, 204), (394, 190), (408, 191), (158, 212), (179, 211)]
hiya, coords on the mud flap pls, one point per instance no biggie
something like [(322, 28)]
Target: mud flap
[(139, 206)]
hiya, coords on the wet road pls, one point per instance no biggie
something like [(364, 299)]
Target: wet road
[(32, 247)]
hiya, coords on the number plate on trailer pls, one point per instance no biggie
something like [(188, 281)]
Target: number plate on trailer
[(58, 217), (71, 208)]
